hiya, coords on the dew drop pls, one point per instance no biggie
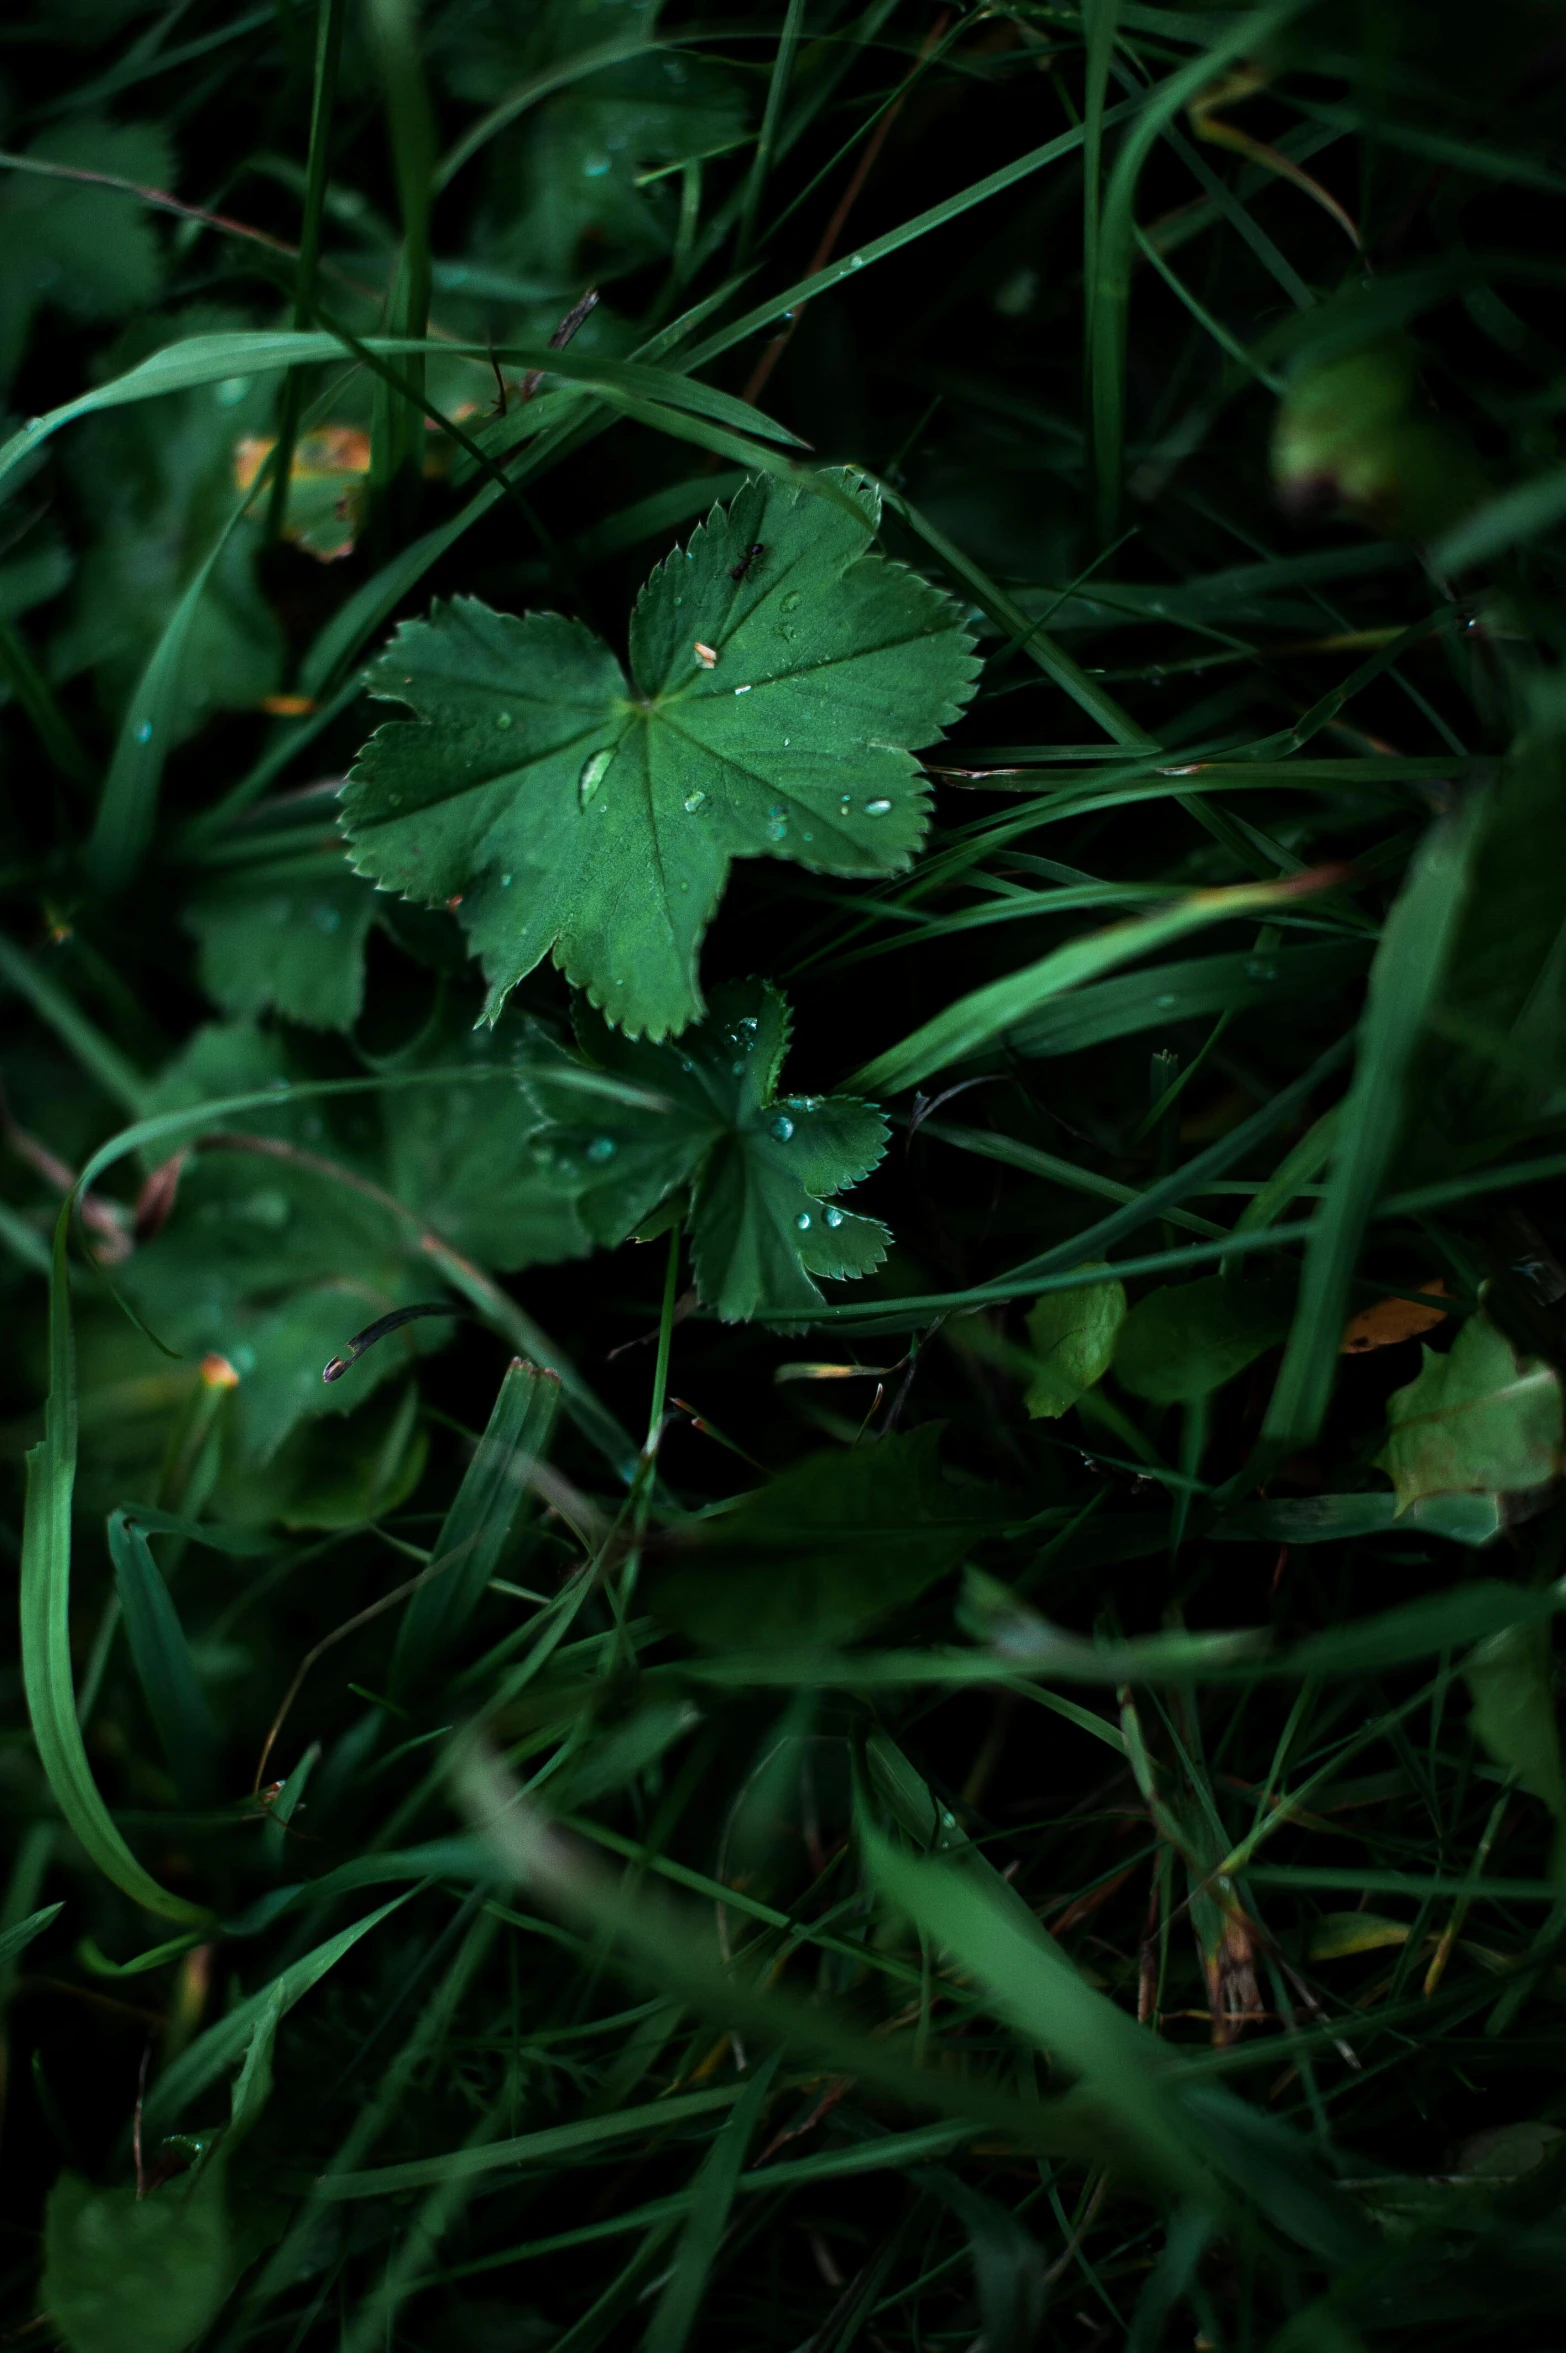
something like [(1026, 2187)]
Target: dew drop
[(834, 1217), (602, 1148), (803, 1221), (326, 918), (781, 1128), (693, 802), (505, 882), (856, 261), (1165, 1004), (777, 824), (791, 602), (144, 731), (1257, 969), (742, 689), (878, 808), (595, 167), (502, 718), (594, 770)]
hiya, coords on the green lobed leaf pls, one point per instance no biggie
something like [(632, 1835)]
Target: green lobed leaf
[(1072, 1337), (760, 1166), (288, 936), (570, 811), (91, 252), (1479, 1420), (1184, 1340), (157, 488), (821, 1552)]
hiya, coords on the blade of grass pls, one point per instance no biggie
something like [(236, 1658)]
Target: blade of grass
[(47, 1677), (1111, 294), (987, 1013), (161, 1654), (323, 102), (1403, 982)]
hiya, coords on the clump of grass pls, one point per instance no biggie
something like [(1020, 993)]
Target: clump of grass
[(918, 1714)]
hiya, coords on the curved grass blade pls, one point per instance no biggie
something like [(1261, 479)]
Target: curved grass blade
[(1111, 294), (47, 1677), (977, 1020)]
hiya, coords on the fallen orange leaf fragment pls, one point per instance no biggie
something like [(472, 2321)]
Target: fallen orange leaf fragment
[(1391, 1320)]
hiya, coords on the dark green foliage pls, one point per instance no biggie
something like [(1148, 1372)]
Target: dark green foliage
[(772, 703), (915, 1715), (824, 1551), (1184, 1340), (759, 1166)]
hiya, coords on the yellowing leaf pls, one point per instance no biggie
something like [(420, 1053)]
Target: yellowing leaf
[(1337, 1936), (326, 486), (1392, 1320)]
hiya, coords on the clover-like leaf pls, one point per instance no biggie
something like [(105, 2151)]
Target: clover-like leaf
[(781, 676), (760, 1166)]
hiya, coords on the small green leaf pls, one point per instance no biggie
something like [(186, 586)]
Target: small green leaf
[(1184, 1340), (761, 1166), (1072, 1335), (127, 2274), (158, 483), (91, 252), (774, 705), (1511, 1681), (288, 937), (820, 1553), (1356, 434), (1480, 1420), (460, 1157)]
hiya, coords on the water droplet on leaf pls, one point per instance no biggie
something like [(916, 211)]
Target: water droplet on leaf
[(781, 1128), (834, 1217), (693, 802), (594, 770), (602, 1148), (878, 808), (803, 1221)]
